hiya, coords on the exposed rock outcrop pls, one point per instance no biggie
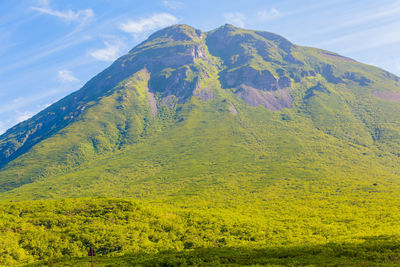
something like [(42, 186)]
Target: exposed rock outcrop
[(388, 96), (259, 79), (272, 100)]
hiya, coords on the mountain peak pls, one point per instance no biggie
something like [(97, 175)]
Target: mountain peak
[(177, 32), (224, 29), (228, 26)]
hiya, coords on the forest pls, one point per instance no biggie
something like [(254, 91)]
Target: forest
[(130, 232)]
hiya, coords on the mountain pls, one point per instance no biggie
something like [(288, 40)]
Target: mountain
[(188, 111), (234, 141)]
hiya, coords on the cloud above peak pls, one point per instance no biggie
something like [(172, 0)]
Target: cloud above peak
[(147, 24), (268, 14), (172, 4), (235, 18)]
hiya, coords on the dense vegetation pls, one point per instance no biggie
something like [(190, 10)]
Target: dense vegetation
[(381, 251), (285, 232), (227, 147)]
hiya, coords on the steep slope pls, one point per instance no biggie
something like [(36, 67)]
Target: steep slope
[(225, 113), (107, 111)]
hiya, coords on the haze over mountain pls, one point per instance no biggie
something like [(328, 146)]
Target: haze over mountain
[(189, 113)]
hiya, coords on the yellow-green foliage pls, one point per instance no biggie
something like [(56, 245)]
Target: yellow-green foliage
[(296, 228)]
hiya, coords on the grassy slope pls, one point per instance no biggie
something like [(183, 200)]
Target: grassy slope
[(189, 150), (97, 131)]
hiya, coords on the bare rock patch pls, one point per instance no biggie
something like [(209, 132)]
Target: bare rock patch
[(233, 110), (152, 102), (272, 100), (388, 96), (204, 94)]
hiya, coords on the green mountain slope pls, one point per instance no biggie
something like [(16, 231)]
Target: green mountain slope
[(185, 110), (229, 138)]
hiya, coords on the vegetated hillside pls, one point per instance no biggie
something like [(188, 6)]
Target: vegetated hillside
[(292, 144), (186, 112)]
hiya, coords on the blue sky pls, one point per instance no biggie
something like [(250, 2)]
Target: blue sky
[(50, 48)]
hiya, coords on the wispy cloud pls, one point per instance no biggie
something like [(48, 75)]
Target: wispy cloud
[(379, 14), (111, 51), (17, 116), (235, 18), (68, 15), (268, 14), (142, 25), (367, 39), (66, 76), (23, 108), (45, 51), (21, 103), (23, 116), (172, 4)]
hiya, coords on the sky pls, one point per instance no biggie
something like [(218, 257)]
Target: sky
[(51, 48)]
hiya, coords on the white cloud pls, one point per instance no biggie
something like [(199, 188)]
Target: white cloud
[(109, 53), (24, 116), (235, 18), (69, 15), (151, 23), (171, 4), (66, 76), (268, 14)]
